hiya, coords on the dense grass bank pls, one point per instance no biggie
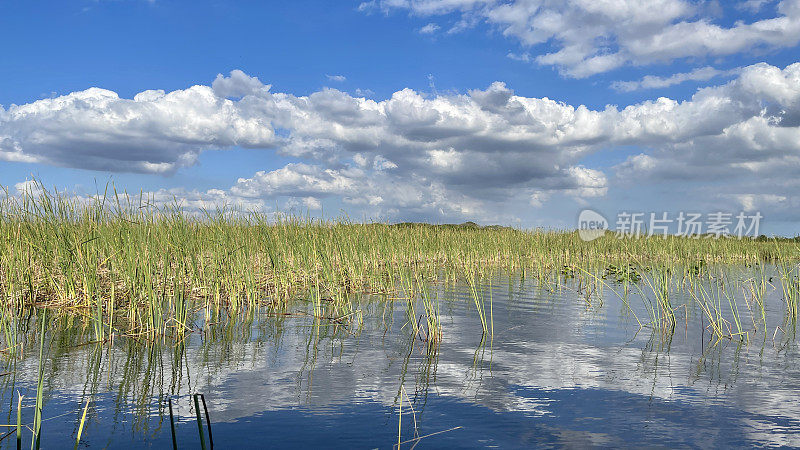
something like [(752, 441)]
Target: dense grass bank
[(130, 266)]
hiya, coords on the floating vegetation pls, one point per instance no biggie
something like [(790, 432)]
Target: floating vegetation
[(699, 268), (625, 273)]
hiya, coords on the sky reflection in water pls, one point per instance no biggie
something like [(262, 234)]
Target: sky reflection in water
[(557, 372)]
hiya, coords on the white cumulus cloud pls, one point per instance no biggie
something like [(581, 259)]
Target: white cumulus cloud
[(447, 155)]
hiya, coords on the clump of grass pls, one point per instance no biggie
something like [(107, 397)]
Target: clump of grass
[(790, 284)]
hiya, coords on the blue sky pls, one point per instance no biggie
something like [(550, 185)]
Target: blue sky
[(516, 112)]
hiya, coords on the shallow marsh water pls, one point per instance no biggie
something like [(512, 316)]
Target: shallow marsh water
[(558, 371)]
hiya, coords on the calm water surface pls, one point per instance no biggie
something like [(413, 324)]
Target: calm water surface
[(557, 372)]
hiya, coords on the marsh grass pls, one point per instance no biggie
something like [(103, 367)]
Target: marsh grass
[(126, 267)]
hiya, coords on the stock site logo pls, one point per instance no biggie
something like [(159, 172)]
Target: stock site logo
[(591, 225)]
